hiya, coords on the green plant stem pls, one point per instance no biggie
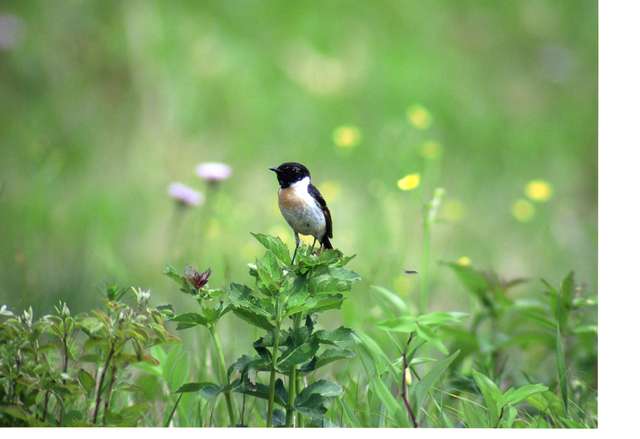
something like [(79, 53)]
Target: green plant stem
[(173, 411), (292, 380), (96, 409), (222, 374), (299, 385), (430, 211), (274, 362)]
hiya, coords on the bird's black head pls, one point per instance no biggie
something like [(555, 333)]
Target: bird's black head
[(290, 172)]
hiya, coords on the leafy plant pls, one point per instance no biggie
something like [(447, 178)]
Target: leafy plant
[(68, 370), (284, 304)]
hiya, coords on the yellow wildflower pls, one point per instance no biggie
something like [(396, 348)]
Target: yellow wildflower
[(402, 285), (453, 210), (523, 210), (409, 182), (539, 190), (431, 150), (346, 136), (419, 116), (465, 261)]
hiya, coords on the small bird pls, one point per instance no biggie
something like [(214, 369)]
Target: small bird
[(302, 205)]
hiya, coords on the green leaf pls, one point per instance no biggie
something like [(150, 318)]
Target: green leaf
[(327, 303), (399, 324), (313, 399), (300, 302), (269, 271), (374, 353), (194, 387), (491, 394), (562, 369), (330, 355), (440, 318), (298, 354), (275, 245), (86, 380), (189, 319), (509, 417), (422, 388), (547, 401), (475, 282), (335, 337), (392, 299), (210, 392), (343, 274), (261, 391), (516, 396), (255, 319), (391, 404)]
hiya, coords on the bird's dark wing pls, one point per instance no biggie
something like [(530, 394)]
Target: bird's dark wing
[(315, 193)]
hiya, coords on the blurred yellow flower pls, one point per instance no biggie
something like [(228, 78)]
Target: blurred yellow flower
[(432, 150), (465, 261), (419, 116), (539, 190), (329, 190), (402, 285), (453, 210), (409, 182), (346, 136), (307, 239), (523, 210)]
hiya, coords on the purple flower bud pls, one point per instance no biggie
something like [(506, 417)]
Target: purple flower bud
[(184, 195), (197, 279), (213, 172)]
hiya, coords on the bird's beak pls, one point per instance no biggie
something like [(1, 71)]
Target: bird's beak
[(274, 170)]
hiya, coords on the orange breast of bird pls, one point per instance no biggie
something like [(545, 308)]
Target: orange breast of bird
[(288, 199)]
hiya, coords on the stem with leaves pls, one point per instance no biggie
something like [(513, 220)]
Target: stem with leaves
[(293, 380), (405, 387), (96, 409), (107, 401), (274, 362)]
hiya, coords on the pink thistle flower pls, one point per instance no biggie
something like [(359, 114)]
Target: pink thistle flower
[(184, 195), (213, 172)]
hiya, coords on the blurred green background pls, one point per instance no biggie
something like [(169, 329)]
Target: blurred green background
[(106, 103)]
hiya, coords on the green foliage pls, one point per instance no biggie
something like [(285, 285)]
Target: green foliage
[(437, 369), (67, 370), (296, 293)]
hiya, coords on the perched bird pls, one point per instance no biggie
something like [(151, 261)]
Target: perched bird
[(302, 205)]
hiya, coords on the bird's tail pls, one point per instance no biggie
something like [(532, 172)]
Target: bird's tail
[(325, 242)]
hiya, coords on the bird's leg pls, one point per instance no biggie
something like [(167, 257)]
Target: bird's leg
[(297, 245), (314, 243)]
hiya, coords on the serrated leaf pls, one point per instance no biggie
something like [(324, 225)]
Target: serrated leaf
[(275, 245), (298, 354), (313, 399)]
